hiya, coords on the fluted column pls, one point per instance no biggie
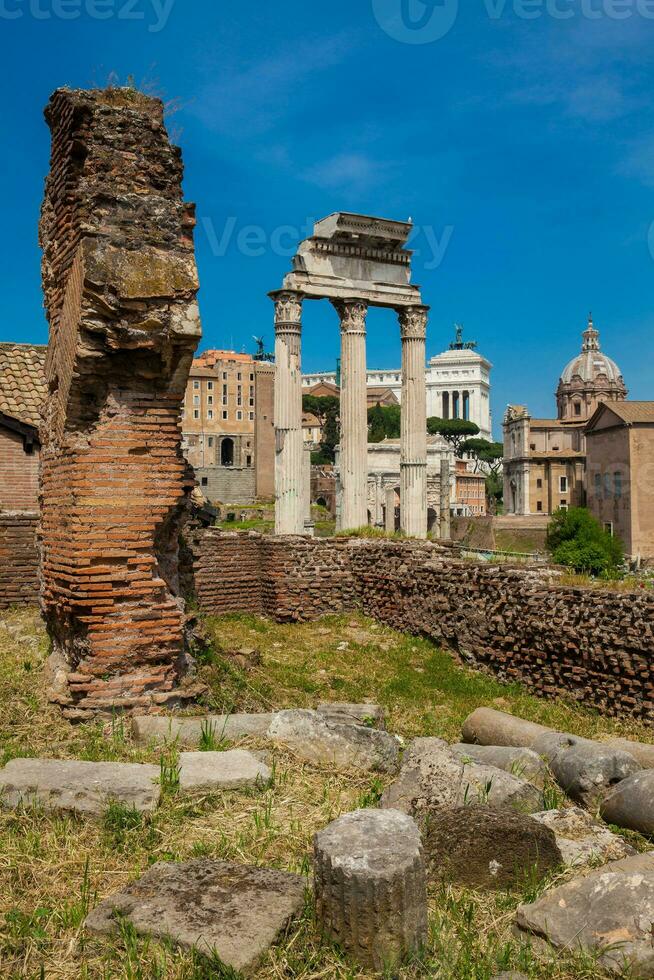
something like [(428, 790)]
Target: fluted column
[(413, 444), (354, 413), (289, 446)]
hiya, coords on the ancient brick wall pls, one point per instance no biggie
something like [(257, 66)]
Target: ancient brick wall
[(19, 582), (515, 622), (120, 283), (19, 473)]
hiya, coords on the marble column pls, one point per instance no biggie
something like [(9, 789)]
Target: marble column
[(413, 443), (289, 444), (309, 526), (390, 510), (354, 414)]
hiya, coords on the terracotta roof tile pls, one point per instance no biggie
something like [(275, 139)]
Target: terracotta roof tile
[(23, 387), (632, 411)]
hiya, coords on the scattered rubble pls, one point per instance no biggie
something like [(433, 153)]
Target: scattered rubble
[(586, 770), (208, 771), (582, 839)]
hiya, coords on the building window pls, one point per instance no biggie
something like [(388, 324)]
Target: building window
[(196, 385), (209, 385), (239, 376), (239, 395), (577, 408), (617, 484), (251, 416), (210, 414), (252, 377), (209, 399), (210, 442), (608, 527), (607, 485), (196, 413), (196, 399), (564, 505), (224, 375), (563, 484), (239, 416), (248, 461), (225, 415), (532, 446), (539, 484), (225, 394)]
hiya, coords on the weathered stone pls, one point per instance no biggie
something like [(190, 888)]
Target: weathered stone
[(228, 909), (312, 739), (581, 838), (120, 284), (370, 885), (188, 731), (520, 762), (370, 715), (631, 803), (497, 788), (483, 847), (79, 787), (209, 771), (430, 777), (490, 727), (611, 909), (641, 751), (583, 768)]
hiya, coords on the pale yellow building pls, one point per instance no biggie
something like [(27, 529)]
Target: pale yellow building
[(545, 459)]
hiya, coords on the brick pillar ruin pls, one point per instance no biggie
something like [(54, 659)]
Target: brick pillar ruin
[(120, 284)]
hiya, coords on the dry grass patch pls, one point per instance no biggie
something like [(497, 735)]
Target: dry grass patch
[(53, 869)]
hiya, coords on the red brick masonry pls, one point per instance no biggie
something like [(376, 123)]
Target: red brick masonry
[(19, 580), (513, 621), (120, 282)]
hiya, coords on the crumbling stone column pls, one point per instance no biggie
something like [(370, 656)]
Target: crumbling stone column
[(289, 443), (389, 522), (413, 443), (354, 413), (369, 880), (120, 285)]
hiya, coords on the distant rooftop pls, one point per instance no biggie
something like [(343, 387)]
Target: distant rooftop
[(23, 387)]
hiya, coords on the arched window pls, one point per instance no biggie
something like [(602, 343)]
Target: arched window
[(227, 452)]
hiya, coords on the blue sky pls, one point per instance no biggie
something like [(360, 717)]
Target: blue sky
[(519, 139)]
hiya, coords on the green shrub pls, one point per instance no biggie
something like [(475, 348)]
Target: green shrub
[(575, 538)]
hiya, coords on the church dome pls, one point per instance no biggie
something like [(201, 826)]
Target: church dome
[(591, 363), (588, 379)]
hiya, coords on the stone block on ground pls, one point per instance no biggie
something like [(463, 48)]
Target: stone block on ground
[(219, 907), (643, 752), (490, 727), (312, 739), (208, 771), (611, 909), (521, 762), (631, 803), (370, 890), (497, 788), (430, 777), (342, 713), (188, 731), (581, 838), (79, 787), (482, 847), (586, 770)]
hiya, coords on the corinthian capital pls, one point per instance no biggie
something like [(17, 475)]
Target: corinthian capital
[(413, 322), (352, 313), (288, 308)]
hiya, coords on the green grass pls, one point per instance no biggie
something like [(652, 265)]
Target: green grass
[(54, 868)]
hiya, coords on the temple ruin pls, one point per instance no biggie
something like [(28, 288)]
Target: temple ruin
[(356, 262), (120, 284)]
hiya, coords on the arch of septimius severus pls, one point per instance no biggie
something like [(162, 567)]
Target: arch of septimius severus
[(356, 262)]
